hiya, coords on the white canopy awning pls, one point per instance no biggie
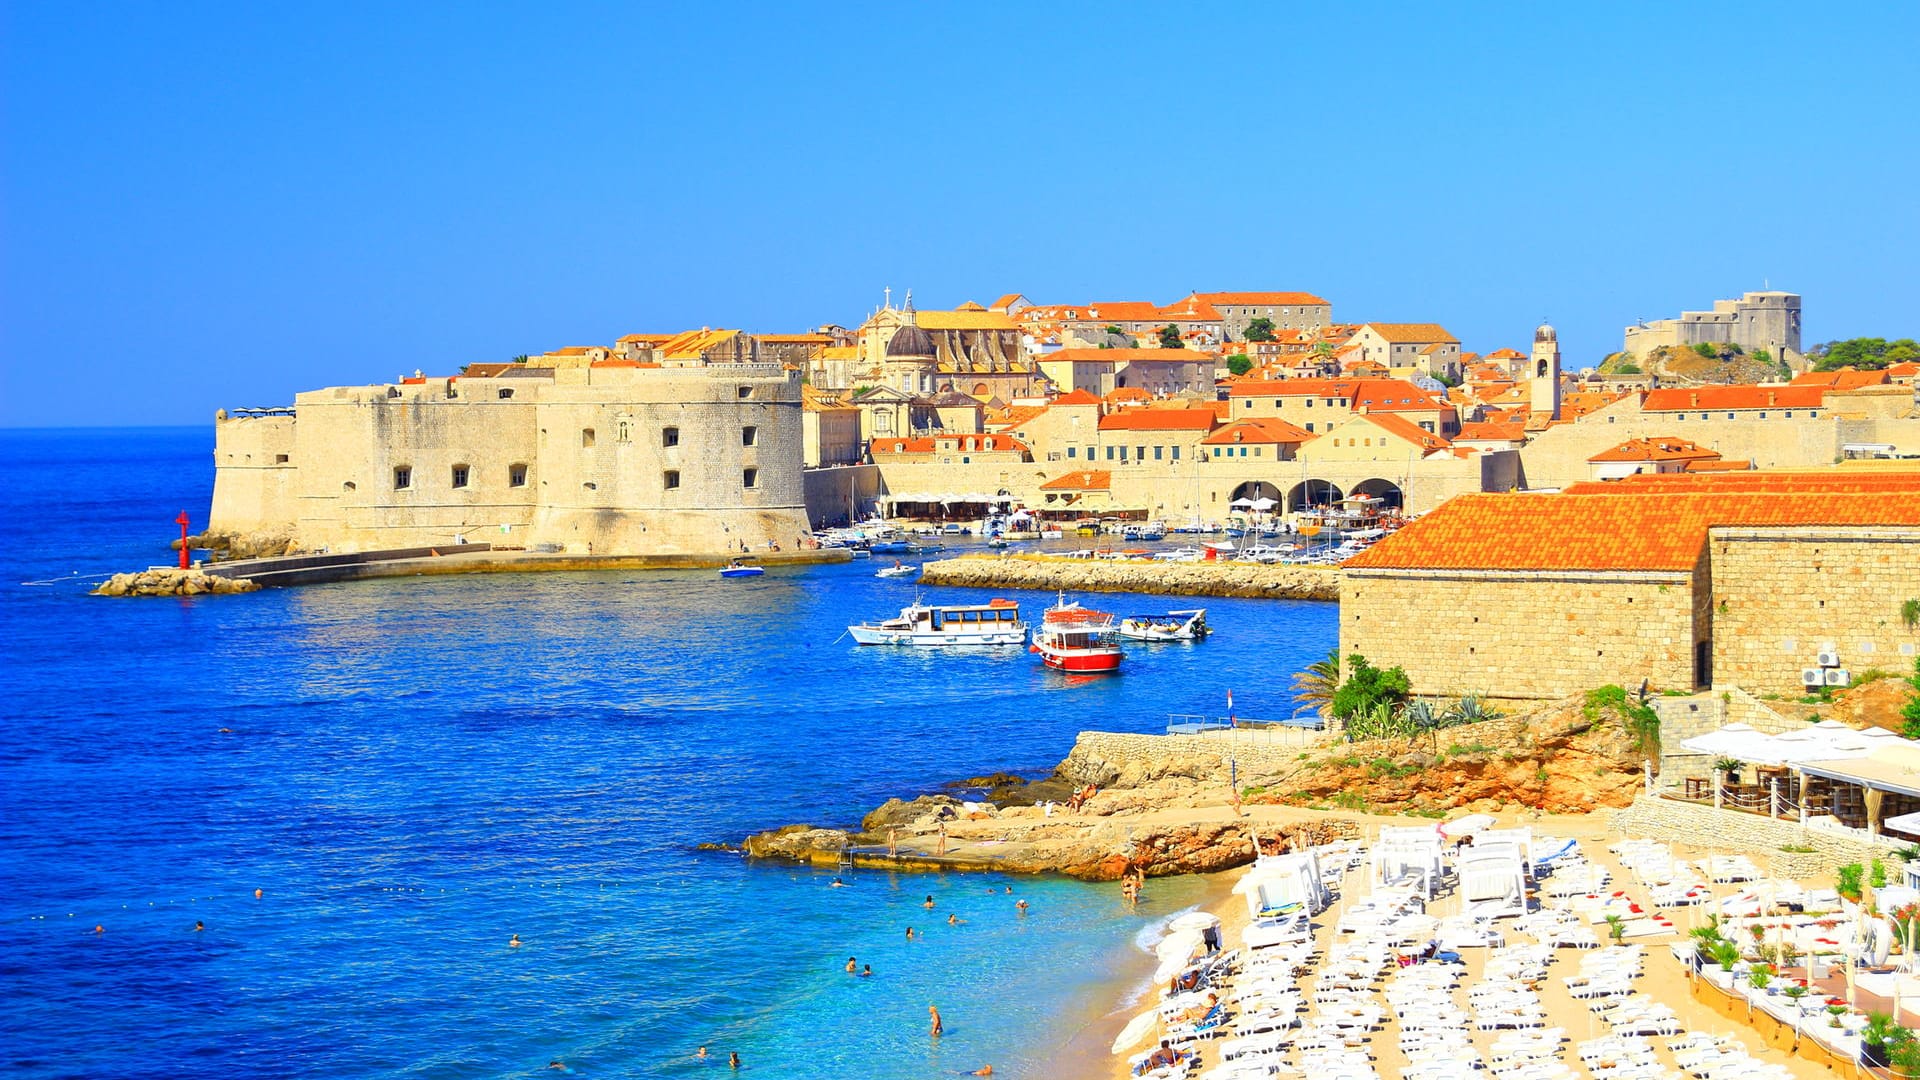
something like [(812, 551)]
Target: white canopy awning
[(1242, 503), (1263, 503), (1739, 741)]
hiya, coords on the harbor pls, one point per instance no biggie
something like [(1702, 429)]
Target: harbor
[(1159, 577)]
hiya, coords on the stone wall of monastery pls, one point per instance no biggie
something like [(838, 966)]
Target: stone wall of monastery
[(254, 460), (1521, 634), (1781, 596)]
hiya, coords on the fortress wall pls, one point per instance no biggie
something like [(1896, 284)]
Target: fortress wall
[(1530, 634), (1847, 591), (254, 472), (1558, 456)]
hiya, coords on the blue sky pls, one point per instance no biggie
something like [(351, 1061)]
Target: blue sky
[(212, 206)]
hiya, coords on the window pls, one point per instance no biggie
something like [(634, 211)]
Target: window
[(460, 474), (746, 392), (748, 435), (1109, 453), (1176, 453), (349, 486), (506, 392), (670, 436), (402, 477), (279, 459), (1140, 453), (586, 437), (1156, 452), (590, 486), (1763, 415), (1309, 427), (1729, 416), (1073, 451), (670, 479), (749, 477), (516, 476)]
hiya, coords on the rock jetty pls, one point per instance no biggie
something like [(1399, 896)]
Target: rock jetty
[(1163, 804), (1136, 576), (171, 581)]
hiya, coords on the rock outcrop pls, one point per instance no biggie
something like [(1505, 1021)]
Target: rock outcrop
[(261, 545), (1138, 576), (173, 582)]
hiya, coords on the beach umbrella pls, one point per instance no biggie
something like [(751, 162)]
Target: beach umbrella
[(1137, 1028), (1198, 921), (1171, 966), (1180, 945), (1416, 925), (1466, 826), (1741, 741), (1263, 503), (1241, 504)]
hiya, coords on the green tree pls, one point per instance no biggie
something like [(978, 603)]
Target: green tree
[(1763, 356), (1260, 329), (1707, 351), (1866, 354), (521, 359), (1316, 685), (1368, 687), (1170, 337), (1910, 712), (1240, 363), (1626, 367)]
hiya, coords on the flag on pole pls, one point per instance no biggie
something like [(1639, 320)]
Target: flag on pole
[(1230, 721)]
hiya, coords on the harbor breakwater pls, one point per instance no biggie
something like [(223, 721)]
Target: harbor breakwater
[(1136, 576)]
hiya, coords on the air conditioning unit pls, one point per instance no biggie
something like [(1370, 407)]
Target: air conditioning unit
[(1829, 659), (1813, 676), (1838, 676)]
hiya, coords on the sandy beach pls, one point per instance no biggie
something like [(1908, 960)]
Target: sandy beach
[(1087, 1054)]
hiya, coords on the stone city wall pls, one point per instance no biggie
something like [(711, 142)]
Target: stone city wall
[(1521, 634), (1164, 578), (1846, 590), (1704, 827)]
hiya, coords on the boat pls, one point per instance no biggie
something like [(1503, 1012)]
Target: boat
[(1052, 532), (996, 541), (736, 568), (996, 622), (1189, 625), (1077, 640), (896, 546), (898, 570)]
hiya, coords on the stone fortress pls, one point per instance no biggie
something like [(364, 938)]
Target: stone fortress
[(580, 451), (1758, 320)]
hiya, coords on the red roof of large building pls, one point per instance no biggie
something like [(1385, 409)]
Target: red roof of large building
[(1512, 430), (1267, 299), (1679, 399), (1085, 480), (1078, 397), (927, 444), (1657, 448), (1821, 482), (1127, 356), (1843, 379), (1147, 419), (1412, 333), (1597, 532), (1263, 430)]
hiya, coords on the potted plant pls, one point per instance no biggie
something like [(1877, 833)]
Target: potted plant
[(1879, 1037), (1834, 1013), (1848, 879), (1794, 992), (1616, 928), (1903, 1055), (1729, 768)]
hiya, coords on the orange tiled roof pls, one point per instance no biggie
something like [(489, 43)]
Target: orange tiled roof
[(795, 339), (1733, 397), (1268, 429), (1656, 448), (1264, 299), (1911, 367), (1126, 395), (927, 444), (1016, 415), (1597, 532), (1406, 429), (1843, 379), (1412, 333), (1506, 354), (1717, 465), (1159, 420), (1821, 482), (1004, 302), (1078, 397), (1086, 480), (1493, 431), (1118, 356)]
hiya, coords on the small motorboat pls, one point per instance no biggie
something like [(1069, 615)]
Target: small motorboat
[(736, 568), (898, 570), (1189, 625)]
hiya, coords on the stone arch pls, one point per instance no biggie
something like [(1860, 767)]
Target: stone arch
[(1388, 492), (981, 389), (1256, 489), (1313, 493)]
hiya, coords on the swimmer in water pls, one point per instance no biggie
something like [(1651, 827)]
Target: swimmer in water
[(929, 904), (837, 884), (733, 1060), (909, 933), (700, 1053), (199, 926), (953, 920), (867, 971), (1020, 906), (98, 929), (514, 942), (938, 1027), (258, 893), (851, 966)]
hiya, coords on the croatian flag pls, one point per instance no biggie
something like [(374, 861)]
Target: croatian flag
[(1230, 721)]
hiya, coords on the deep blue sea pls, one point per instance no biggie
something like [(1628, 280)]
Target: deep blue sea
[(413, 771)]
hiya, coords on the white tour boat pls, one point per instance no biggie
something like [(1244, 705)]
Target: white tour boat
[(996, 622)]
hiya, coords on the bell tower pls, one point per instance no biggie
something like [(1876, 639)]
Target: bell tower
[(1544, 373)]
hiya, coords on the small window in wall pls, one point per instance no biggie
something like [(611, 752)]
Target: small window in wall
[(670, 436), (586, 436), (1157, 452), (506, 392), (349, 486), (281, 459), (746, 392), (460, 475), (591, 486), (750, 478), (749, 435), (516, 476), (1176, 453), (670, 479), (402, 477), (1073, 451)]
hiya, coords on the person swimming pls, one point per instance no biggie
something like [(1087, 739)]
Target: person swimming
[(866, 971), (1020, 905), (733, 1060), (514, 942), (929, 904), (836, 883), (851, 966), (938, 1027), (700, 1053), (199, 926)]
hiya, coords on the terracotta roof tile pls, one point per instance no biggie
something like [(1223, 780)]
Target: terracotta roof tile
[(1264, 299), (1269, 429), (1078, 397), (927, 444), (1086, 480), (1733, 397), (1159, 420), (1656, 448), (1412, 333), (1822, 482), (1598, 532)]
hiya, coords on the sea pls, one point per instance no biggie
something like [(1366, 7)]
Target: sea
[(291, 833)]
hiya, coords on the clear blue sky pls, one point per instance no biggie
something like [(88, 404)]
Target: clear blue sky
[(212, 206)]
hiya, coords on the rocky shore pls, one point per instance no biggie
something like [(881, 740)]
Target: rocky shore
[(1166, 803), (171, 581), (1136, 576)]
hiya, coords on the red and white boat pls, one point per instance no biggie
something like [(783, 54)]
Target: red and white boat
[(1074, 639)]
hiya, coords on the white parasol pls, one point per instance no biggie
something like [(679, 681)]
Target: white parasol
[(1466, 826), (1243, 504), (1180, 945), (1263, 503), (1137, 1028), (1195, 920)]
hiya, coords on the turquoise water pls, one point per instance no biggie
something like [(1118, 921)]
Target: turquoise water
[(414, 771)]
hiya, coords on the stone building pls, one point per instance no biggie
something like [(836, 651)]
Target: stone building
[(1285, 310), (1423, 347), (1758, 320), (969, 349), (610, 456), (832, 429), (1158, 371), (1693, 583)]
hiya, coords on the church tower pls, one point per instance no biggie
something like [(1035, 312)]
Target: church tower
[(1544, 383)]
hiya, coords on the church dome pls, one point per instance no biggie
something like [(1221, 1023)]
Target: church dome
[(1545, 333), (910, 341)]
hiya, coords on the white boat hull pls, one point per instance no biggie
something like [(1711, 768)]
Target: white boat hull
[(878, 635)]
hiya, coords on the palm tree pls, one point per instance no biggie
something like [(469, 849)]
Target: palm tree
[(1315, 686)]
